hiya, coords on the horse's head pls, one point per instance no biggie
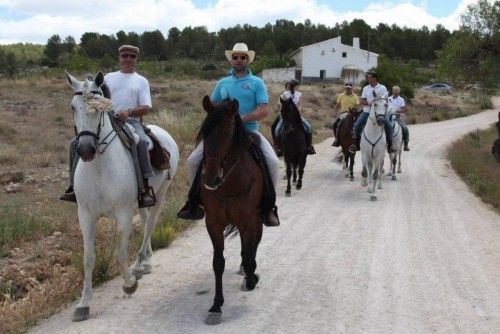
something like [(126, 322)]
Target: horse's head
[(222, 127), (88, 109), (290, 115), (379, 108)]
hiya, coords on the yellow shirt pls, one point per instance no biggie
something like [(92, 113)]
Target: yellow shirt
[(347, 101)]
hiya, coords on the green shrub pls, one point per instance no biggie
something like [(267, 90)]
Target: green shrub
[(485, 102), (15, 224), (79, 63)]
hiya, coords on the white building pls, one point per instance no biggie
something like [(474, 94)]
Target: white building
[(332, 60)]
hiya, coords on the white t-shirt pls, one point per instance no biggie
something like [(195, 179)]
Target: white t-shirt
[(396, 102), (367, 94), (295, 98), (128, 90)]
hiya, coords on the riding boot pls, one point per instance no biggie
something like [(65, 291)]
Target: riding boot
[(406, 148), (279, 151), (69, 195), (309, 148), (147, 198), (272, 218), (192, 210)]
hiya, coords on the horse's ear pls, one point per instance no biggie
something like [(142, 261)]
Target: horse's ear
[(234, 106), (71, 80), (208, 106), (99, 79)]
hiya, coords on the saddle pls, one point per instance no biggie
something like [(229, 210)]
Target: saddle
[(158, 154)]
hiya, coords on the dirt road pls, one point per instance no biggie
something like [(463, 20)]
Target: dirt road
[(425, 257)]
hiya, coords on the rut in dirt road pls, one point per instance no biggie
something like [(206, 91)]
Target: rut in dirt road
[(424, 258)]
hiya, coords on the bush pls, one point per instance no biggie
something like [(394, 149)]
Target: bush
[(79, 63), (485, 102)]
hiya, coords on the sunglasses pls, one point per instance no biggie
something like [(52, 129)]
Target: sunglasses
[(128, 55), (235, 57)]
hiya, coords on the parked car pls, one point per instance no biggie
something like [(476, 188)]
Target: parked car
[(439, 88)]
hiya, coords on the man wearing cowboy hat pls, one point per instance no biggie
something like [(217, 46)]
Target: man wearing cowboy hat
[(251, 93)]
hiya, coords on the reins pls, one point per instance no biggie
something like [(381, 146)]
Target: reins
[(381, 133)]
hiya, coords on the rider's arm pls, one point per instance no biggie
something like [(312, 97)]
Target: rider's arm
[(258, 114)]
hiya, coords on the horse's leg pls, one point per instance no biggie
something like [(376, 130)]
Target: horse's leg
[(394, 160), (216, 233), (124, 219), (251, 238), (346, 162), (302, 163), (351, 165), (370, 176), (364, 175), (294, 172), (88, 227), (379, 175), (241, 271), (399, 160), (288, 190)]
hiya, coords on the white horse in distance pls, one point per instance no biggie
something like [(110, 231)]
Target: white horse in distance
[(397, 144), (373, 145), (105, 185)]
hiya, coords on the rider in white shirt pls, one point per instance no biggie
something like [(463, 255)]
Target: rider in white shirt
[(397, 106)]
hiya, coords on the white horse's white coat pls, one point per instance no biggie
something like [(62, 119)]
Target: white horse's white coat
[(397, 144), (105, 185), (373, 146)]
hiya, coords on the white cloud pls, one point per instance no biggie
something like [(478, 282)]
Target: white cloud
[(45, 18)]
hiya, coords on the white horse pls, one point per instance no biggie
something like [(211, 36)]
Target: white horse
[(397, 144), (105, 185), (373, 145)]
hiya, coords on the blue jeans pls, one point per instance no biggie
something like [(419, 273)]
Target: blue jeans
[(360, 123), (305, 123)]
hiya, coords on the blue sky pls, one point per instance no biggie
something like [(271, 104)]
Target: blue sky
[(34, 21)]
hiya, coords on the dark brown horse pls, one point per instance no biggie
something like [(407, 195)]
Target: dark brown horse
[(344, 134), (231, 194), (293, 142)]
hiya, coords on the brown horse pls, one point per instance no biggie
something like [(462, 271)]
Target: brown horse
[(232, 193), (344, 134)]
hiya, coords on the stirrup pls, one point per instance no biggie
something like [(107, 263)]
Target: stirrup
[(147, 198), (310, 150)]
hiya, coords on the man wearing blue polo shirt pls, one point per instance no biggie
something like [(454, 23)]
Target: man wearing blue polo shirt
[(251, 93)]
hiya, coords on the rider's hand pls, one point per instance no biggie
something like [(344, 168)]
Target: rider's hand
[(122, 115)]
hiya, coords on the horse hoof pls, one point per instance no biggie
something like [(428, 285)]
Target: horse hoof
[(147, 269), (213, 318), (138, 273), (241, 271), (298, 187), (399, 171), (393, 178), (364, 183), (288, 193), (81, 314), (244, 284), (369, 190), (351, 178), (373, 198), (130, 290)]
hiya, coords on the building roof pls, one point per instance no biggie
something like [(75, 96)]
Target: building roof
[(331, 39)]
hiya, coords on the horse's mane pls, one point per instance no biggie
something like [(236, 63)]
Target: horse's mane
[(293, 111), (214, 118)]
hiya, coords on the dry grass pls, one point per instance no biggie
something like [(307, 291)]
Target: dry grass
[(472, 159), (36, 124)]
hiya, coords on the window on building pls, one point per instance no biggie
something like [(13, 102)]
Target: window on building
[(344, 54), (322, 74)]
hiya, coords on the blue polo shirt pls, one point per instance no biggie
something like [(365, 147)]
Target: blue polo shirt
[(250, 91)]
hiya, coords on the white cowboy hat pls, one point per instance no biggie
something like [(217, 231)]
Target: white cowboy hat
[(240, 48)]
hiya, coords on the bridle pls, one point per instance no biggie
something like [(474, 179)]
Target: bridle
[(99, 126)]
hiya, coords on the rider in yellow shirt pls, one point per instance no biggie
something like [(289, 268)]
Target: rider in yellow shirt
[(345, 102)]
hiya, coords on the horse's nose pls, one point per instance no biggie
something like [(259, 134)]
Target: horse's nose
[(86, 151)]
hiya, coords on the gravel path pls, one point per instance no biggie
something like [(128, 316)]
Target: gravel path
[(423, 258)]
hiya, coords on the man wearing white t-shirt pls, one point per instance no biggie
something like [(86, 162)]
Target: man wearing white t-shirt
[(397, 105), (370, 92), (131, 100)]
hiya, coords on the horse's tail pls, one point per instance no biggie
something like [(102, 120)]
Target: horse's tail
[(231, 231), (339, 157)]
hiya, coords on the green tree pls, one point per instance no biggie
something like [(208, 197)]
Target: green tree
[(53, 49)]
